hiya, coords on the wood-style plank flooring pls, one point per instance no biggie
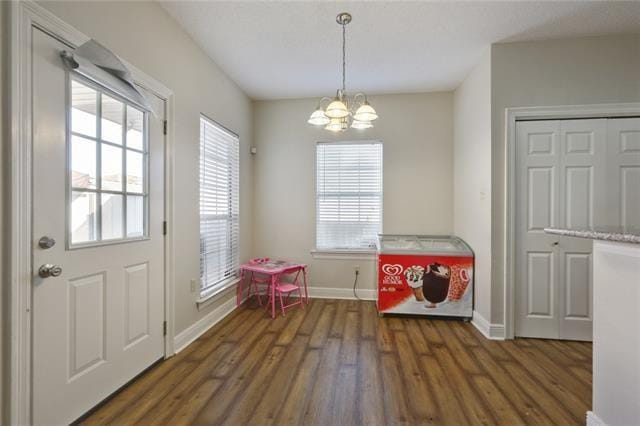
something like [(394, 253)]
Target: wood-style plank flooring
[(337, 363)]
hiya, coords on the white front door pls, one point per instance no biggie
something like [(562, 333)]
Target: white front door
[(561, 182), (98, 191)]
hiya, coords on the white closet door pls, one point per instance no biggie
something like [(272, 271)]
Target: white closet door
[(536, 199), (583, 191), (561, 182), (623, 135)]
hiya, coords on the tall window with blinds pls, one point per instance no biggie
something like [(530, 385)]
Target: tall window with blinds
[(219, 205), (348, 195)]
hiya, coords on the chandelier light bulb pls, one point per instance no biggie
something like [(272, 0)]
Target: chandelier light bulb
[(365, 113), (357, 124), (318, 118), (337, 109)]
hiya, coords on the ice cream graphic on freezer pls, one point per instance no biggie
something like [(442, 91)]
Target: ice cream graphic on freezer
[(414, 275), (425, 275)]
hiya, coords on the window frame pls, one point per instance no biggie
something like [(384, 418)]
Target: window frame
[(146, 194), (208, 292), (346, 253)]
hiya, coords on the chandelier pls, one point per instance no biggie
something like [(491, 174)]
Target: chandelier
[(342, 111)]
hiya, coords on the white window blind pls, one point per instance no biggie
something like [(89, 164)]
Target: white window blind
[(348, 195), (219, 219)]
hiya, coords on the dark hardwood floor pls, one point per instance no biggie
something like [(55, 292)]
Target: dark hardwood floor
[(337, 363)]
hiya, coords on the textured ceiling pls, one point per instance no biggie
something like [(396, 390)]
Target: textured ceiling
[(293, 49)]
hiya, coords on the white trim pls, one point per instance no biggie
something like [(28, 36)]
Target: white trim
[(23, 16), (169, 238), (490, 331), (341, 293), (188, 336), (593, 420), (344, 254), (528, 113)]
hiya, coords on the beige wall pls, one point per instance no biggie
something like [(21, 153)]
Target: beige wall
[(472, 175), (417, 133), (588, 70), (144, 34)]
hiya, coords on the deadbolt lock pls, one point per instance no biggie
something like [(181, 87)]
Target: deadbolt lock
[(46, 242)]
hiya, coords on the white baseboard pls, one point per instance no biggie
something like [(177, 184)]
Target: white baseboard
[(593, 420), (341, 293), (186, 337), (490, 331)]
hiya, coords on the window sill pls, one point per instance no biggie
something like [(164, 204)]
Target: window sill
[(344, 254), (216, 293)]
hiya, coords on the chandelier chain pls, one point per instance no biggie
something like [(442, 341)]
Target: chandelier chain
[(344, 61)]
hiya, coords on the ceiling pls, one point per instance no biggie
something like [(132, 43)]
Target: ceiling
[(292, 49)]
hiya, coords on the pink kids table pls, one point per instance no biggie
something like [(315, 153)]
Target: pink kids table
[(273, 269)]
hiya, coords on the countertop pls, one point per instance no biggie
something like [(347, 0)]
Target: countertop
[(606, 233)]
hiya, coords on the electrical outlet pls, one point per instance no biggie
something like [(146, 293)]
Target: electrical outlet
[(357, 269), (194, 286)]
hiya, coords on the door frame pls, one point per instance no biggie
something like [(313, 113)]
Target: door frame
[(24, 16), (561, 112)]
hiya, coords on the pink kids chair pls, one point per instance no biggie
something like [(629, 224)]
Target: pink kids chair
[(287, 288), (259, 287)]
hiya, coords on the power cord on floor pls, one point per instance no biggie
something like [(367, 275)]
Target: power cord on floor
[(355, 282)]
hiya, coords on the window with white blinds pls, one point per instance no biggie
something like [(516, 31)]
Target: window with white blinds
[(348, 195), (219, 219)]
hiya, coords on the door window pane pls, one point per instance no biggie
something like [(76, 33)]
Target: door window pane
[(83, 109), (135, 167), (135, 126), (135, 216), (84, 225), (112, 117), (83, 163), (112, 216), (111, 168), (107, 168)]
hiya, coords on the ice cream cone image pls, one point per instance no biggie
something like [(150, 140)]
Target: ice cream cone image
[(414, 276)]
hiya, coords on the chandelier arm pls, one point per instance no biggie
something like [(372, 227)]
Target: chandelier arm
[(355, 97), (324, 98)]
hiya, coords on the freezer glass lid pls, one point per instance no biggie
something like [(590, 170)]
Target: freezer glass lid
[(440, 244), (399, 243)]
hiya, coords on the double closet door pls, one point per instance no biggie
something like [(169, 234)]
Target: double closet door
[(570, 174)]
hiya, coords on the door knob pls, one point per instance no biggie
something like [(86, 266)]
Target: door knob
[(48, 270)]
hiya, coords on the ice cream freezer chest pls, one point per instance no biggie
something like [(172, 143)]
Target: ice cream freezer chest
[(424, 275)]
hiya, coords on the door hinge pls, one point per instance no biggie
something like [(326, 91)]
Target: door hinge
[(164, 328), (164, 227), (164, 127)]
